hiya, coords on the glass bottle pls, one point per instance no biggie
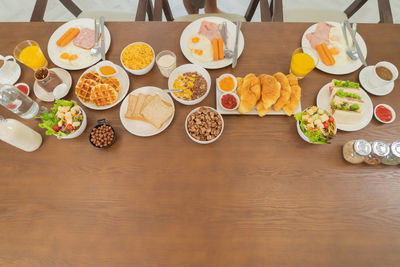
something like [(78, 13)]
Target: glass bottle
[(393, 158), (16, 101)]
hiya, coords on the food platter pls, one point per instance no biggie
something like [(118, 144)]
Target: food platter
[(84, 58), (141, 128), (337, 70), (123, 78), (323, 98), (193, 28)]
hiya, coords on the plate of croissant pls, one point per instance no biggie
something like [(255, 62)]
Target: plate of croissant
[(277, 94)]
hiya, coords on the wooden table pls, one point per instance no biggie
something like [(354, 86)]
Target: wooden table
[(259, 196)]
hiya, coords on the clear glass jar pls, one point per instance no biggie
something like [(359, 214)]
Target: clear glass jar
[(350, 155), (364, 148), (379, 151), (393, 158)]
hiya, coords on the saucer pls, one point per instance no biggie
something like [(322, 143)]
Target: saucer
[(13, 78), (48, 96), (379, 91)]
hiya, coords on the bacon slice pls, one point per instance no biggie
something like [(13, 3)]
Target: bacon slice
[(320, 35), (209, 30)]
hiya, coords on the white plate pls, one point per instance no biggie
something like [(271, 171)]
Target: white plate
[(141, 128), (338, 70), (54, 50), (253, 111), (367, 112), (48, 96), (364, 75), (194, 27), (123, 78)]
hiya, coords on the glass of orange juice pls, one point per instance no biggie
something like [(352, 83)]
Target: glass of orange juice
[(303, 61), (29, 53)]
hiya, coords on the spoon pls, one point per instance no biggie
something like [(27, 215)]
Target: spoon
[(96, 49), (223, 30)]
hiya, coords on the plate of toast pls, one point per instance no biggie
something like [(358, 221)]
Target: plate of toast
[(147, 111), (99, 93)]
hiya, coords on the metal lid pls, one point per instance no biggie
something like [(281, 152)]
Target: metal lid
[(380, 148), (395, 147), (362, 147)]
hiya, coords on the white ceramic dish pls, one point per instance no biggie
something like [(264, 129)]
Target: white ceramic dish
[(198, 141), (194, 27), (48, 96), (367, 112), (388, 107), (106, 63), (338, 70), (54, 51), (141, 128), (302, 135), (364, 76), (142, 71), (13, 77), (123, 78), (80, 130), (223, 76), (237, 101), (189, 68), (27, 86)]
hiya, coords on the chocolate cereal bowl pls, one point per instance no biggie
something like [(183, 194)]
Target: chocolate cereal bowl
[(102, 135), (204, 125), (193, 80)]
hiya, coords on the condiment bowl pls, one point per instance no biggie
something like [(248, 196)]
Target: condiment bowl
[(80, 130), (103, 64), (389, 108), (141, 71), (235, 96), (198, 141), (189, 68), (24, 84), (100, 123), (223, 76)]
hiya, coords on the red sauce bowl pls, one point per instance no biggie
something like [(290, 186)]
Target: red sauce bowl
[(23, 87), (229, 101), (384, 113)]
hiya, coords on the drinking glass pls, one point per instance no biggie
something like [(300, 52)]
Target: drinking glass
[(29, 53), (166, 62), (303, 62)]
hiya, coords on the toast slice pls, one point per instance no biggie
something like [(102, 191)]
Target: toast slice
[(132, 100), (157, 111)]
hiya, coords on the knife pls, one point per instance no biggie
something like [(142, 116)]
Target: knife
[(102, 44), (235, 50), (353, 36)]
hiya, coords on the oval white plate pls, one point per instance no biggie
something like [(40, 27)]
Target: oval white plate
[(141, 128), (47, 96), (364, 75), (54, 51), (338, 70), (194, 27), (367, 112), (123, 78)]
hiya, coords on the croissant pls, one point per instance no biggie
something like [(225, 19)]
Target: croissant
[(295, 96), (261, 110), (270, 90), (285, 91), (249, 93)]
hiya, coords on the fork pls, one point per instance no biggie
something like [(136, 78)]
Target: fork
[(96, 49), (353, 55)]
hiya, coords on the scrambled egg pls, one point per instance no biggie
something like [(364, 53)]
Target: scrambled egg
[(184, 83), (137, 56)]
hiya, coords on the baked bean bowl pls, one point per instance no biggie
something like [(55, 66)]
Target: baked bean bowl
[(193, 80), (204, 125), (102, 135)]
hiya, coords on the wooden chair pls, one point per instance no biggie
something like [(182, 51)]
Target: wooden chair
[(275, 12), (144, 6)]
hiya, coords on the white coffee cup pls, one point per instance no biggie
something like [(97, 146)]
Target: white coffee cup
[(378, 81), (9, 66)]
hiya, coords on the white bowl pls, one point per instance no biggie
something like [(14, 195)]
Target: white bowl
[(106, 63), (223, 76), (79, 131), (29, 89), (142, 71), (235, 96), (189, 68), (388, 107), (198, 141), (304, 137)]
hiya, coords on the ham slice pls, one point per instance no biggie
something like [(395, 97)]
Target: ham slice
[(209, 30), (320, 35), (85, 39)]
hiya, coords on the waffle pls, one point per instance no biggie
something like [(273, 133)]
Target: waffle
[(103, 94), (113, 82), (84, 88), (92, 75)]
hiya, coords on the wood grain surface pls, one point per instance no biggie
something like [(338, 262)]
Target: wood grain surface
[(259, 196)]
